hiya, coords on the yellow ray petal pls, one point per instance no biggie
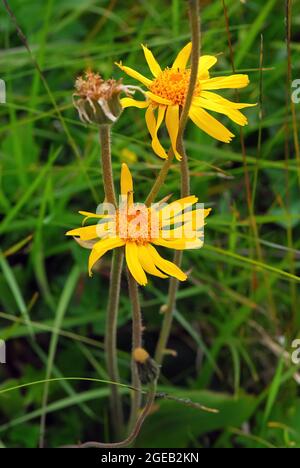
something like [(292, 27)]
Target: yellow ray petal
[(152, 63), (221, 100), (134, 74), (158, 99), (133, 263), (168, 267), (177, 206), (88, 214), (101, 247), (226, 82), (205, 63), (172, 123), (126, 183), (182, 57), (234, 114), (209, 124), (153, 127), (147, 262), (179, 244), (89, 232), (189, 216), (130, 102), (85, 233)]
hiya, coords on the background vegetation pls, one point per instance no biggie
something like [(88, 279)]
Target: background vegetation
[(238, 313)]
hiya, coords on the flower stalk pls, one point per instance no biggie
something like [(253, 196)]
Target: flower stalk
[(114, 290), (111, 342), (107, 172), (137, 329), (194, 16)]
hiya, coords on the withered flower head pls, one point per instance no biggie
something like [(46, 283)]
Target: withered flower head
[(148, 369), (97, 100)]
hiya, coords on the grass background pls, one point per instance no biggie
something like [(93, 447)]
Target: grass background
[(237, 315)]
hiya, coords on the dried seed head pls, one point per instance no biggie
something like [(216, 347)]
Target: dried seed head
[(148, 369), (97, 100)]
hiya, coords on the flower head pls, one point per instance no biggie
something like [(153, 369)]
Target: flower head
[(97, 100), (137, 227), (166, 95)]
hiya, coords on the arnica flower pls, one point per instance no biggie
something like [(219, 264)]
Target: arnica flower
[(137, 227), (97, 100), (167, 92)]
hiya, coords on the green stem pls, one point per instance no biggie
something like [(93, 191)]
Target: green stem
[(185, 177), (114, 290), (136, 343), (168, 314), (160, 179), (194, 16), (107, 174), (111, 341)]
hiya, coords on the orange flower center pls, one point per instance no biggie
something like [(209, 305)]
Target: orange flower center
[(173, 85), (136, 224)]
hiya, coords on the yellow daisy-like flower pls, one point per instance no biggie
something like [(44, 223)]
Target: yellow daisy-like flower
[(138, 228), (167, 92)]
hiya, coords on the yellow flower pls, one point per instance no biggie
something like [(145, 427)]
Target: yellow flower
[(138, 228), (167, 91)]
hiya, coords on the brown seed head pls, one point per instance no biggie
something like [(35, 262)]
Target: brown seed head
[(97, 100)]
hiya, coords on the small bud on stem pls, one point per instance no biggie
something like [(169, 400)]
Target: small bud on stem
[(148, 369)]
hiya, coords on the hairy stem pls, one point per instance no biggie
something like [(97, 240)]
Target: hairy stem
[(114, 290), (111, 341), (194, 16), (136, 343), (107, 174)]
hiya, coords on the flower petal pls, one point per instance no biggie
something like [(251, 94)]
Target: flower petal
[(133, 263), (147, 262), (88, 214), (182, 57), (226, 82), (176, 207), (209, 124), (89, 232), (152, 63), (221, 100), (158, 99), (187, 216), (134, 74), (126, 183), (153, 127), (172, 123), (205, 63), (179, 244), (234, 114), (165, 265), (130, 102), (101, 247)]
